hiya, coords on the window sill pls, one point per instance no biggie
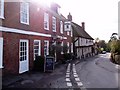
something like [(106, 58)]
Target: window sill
[(46, 29), (24, 23), (1, 17), (54, 31), (2, 67)]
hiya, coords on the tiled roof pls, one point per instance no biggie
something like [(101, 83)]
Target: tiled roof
[(79, 32)]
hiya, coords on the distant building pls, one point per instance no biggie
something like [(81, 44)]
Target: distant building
[(83, 42)]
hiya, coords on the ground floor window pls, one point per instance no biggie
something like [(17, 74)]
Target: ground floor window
[(46, 47), (37, 48), (1, 52), (68, 44), (62, 47), (71, 47)]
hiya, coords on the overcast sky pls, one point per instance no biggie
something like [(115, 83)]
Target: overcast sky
[(100, 16)]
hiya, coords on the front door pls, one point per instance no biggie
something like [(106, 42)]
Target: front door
[(23, 55)]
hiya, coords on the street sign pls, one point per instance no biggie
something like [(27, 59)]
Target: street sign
[(49, 64)]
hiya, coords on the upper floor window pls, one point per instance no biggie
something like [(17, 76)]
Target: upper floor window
[(54, 24), (24, 13), (1, 8), (61, 27), (46, 21)]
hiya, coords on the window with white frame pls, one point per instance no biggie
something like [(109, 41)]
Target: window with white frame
[(71, 47), (62, 47), (61, 27), (46, 48), (24, 12), (37, 48), (1, 8), (46, 21), (54, 24), (1, 52), (68, 47), (71, 33), (68, 33)]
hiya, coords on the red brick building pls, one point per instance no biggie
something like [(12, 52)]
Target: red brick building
[(28, 29)]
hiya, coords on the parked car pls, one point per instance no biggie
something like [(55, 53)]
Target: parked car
[(103, 52)]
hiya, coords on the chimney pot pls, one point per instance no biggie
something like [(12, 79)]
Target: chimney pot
[(69, 17), (83, 25)]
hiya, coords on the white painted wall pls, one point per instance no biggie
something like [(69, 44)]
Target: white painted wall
[(1, 52), (85, 42)]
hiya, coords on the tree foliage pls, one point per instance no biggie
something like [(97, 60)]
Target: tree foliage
[(115, 46)]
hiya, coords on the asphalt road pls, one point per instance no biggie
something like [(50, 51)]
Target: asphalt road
[(99, 73), (96, 72)]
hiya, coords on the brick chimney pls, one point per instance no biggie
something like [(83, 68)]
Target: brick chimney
[(69, 17), (83, 25)]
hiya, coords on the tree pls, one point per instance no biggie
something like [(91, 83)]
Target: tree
[(102, 44), (115, 46), (97, 39), (113, 36)]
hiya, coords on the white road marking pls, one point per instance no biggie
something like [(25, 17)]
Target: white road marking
[(69, 84), (79, 84), (67, 79), (67, 75), (75, 75), (68, 71), (77, 79), (74, 71)]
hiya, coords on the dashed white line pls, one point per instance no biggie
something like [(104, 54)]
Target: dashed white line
[(67, 75), (75, 75), (68, 71), (69, 84), (79, 84), (67, 79), (77, 79)]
